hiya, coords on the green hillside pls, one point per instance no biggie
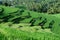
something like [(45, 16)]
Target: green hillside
[(8, 33), (21, 24)]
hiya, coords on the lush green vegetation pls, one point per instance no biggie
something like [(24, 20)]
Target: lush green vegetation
[(22, 24), (42, 6), (10, 33)]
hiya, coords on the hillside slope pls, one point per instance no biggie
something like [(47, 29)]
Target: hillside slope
[(21, 24)]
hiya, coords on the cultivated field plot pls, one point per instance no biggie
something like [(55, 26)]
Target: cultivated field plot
[(21, 24)]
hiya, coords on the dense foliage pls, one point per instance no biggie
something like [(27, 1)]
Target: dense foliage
[(29, 20), (44, 6)]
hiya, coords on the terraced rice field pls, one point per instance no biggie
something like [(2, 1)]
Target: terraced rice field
[(20, 24)]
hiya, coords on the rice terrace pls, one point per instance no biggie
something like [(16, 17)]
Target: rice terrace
[(29, 19)]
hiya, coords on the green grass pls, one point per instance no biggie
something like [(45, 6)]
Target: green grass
[(16, 34), (56, 15), (21, 29), (8, 10)]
